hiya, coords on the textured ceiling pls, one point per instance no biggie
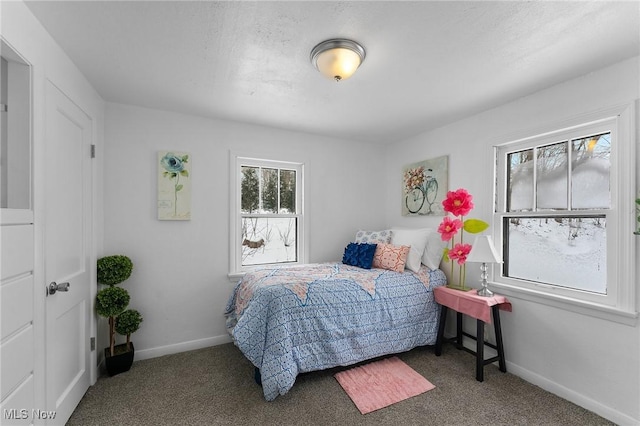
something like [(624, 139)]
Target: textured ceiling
[(428, 63)]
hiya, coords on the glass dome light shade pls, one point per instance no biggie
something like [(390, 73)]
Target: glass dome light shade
[(337, 59)]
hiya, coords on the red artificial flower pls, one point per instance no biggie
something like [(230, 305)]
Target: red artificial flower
[(460, 252), (449, 227), (458, 202)]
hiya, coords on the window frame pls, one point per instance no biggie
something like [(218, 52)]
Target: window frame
[(237, 161), (619, 303)]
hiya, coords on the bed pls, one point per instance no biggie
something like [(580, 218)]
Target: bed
[(289, 320)]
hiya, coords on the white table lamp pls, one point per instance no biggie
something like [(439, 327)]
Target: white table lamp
[(483, 251)]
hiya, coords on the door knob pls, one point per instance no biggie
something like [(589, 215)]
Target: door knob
[(53, 287)]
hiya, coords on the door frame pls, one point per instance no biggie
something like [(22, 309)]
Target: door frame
[(59, 104), (40, 172)]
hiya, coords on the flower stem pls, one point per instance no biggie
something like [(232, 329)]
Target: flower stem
[(450, 259), (175, 196), (463, 274), (462, 268)]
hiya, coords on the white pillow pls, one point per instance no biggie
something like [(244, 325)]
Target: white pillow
[(416, 239), (434, 250)]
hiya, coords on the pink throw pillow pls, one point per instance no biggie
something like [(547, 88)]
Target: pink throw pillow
[(390, 257)]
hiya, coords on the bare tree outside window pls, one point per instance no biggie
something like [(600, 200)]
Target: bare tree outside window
[(555, 224), (269, 216)]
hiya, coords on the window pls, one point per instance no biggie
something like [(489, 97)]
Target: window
[(560, 215), (15, 137), (267, 219)]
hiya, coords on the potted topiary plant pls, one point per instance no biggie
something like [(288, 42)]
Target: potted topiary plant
[(111, 303), (126, 323)]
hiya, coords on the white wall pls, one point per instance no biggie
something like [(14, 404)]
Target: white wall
[(593, 362), (180, 282)]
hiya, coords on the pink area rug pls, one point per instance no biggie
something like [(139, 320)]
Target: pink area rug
[(381, 383)]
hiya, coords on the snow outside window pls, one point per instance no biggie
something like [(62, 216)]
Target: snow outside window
[(558, 215), (267, 213)]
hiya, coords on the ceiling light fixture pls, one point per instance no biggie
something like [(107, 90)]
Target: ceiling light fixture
[(337, 58)]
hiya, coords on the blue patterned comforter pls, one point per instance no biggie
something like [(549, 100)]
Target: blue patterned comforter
[(291, 320)]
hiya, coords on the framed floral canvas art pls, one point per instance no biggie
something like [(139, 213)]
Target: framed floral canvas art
[(174, 185), (424, 186)]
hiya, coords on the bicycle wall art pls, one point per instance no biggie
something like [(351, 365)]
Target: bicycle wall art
[(424, 186)]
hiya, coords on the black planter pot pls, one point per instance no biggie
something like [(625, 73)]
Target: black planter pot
[(121, 361)]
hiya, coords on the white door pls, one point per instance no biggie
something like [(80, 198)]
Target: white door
[(68, 138), (19, 324), (17, 365)]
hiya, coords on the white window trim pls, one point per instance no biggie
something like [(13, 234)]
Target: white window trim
[(236, 270), (620, 304)]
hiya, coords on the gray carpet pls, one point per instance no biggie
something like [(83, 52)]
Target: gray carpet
[(215, 386)]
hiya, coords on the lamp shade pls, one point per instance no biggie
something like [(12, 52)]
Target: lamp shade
[(337, 58), (483, 251)]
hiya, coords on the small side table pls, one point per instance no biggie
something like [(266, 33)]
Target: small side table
[(480, 308)]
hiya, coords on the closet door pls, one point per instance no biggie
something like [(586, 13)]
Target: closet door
[(67, 247), (18, 373), (17, 344)]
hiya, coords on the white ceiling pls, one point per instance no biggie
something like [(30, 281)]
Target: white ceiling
[(428, 63)]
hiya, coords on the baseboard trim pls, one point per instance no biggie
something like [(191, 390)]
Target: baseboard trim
[(572, 396), (181, 347), (587, 403)]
